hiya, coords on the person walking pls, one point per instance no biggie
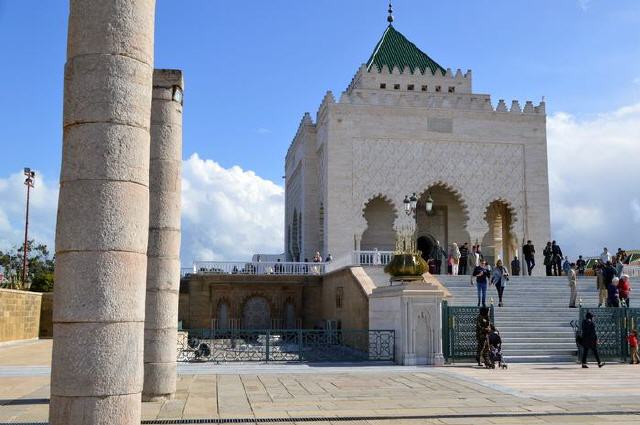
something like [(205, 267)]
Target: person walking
[(515, 266), (548, 258), (483, 327), (566, 266), (633, 346), (605, 256), (500, 277), (573, 281), (557, 259), (624, 288), (455, 259), (481, 273), (589, 340), (581, 265), (613, 296), (438, 254), (602, 287), (529, 251), (464, 258)]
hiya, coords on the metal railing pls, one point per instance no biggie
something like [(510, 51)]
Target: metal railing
[(258, 268), (459, 339), (372, 258), (285, 345)]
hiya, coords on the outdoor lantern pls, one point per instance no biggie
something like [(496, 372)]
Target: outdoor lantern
[(407, 204), (429, 204), (413, 201)]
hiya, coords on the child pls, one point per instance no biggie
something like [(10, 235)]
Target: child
[(633, 346)]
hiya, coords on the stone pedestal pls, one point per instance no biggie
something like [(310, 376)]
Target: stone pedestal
[(414, 310)]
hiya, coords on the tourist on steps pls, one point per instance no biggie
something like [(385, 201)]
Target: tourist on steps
[(515, 266), (573, 281), (529, 251), (464, 258), (589, 340), (481, 273), (548, 258), (455, 259), (581, 265), (483, 327), (602, 288), (613, 296), (500, 277), (557, 259), (624, 288)]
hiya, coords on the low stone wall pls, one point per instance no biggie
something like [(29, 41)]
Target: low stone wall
[(46, 315), (19, 314)]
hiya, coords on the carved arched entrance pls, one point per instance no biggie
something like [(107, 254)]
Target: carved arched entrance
[(447, 221), (256, 313), (380, 216), (499, 241)]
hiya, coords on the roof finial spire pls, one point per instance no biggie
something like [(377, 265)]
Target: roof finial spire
[(390, 17)]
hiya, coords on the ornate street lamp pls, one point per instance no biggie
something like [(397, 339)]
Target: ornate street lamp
[(429, 204), (411, 204)]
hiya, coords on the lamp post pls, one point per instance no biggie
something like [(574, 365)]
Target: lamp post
[(29, 182), (411, 204)]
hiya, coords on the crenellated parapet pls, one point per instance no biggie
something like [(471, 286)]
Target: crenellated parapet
[(406, 79), (449, 101)]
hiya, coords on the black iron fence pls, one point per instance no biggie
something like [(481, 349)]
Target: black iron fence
[(612, 327), (285, 345), (459, 331)]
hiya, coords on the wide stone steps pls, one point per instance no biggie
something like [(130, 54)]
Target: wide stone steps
[(535, 322)]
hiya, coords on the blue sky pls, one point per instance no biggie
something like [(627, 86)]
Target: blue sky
[(252, 68)]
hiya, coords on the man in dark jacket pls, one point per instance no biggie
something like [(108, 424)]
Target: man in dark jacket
[(557, 259), (548, 258), (589, 340), (464, 258), (483, 326), (529, 251)]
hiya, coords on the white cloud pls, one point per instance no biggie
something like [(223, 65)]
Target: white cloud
[(227, 214), (42, 210), (593, 175)]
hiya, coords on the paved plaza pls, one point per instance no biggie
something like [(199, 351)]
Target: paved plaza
[(355, 394)]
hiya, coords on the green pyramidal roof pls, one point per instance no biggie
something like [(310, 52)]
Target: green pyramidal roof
[(394, 49)]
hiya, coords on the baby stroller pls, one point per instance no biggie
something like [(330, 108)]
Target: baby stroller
[(495, 349)]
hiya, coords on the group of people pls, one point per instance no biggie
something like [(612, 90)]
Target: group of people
[(461, 259), (484, 276)]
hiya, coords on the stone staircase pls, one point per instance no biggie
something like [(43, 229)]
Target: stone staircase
[(535, 322)]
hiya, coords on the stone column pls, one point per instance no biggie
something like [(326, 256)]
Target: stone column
[(163, 267), (103, 214)]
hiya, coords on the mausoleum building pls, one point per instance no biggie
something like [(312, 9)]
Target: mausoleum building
[(406, 125)]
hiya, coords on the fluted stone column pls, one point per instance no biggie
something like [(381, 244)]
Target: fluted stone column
[(163, 267), (103, 217)]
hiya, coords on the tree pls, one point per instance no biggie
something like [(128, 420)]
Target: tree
[(41, 265)]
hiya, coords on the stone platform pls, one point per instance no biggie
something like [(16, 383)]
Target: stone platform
[(355, 394)]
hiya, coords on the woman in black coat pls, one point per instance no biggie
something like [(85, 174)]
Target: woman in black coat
[(589, 340)]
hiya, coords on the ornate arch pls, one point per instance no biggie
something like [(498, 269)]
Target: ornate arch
[(373, 230), (455, 191), (513, 212)]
